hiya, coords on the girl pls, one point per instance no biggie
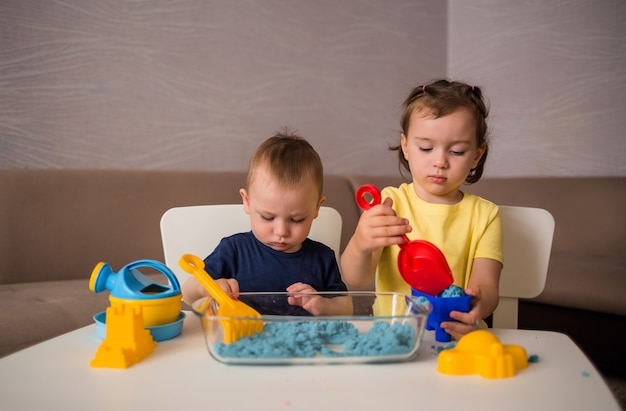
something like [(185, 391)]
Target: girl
[(443, 144)]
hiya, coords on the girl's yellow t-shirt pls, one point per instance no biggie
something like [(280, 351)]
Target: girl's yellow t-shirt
[(464, 231)]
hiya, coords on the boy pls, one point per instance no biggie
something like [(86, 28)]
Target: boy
[(282, 196)]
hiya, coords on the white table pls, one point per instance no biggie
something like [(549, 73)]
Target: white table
[(181, 375)]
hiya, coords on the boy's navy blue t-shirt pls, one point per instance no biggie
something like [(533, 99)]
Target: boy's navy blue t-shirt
[(258, 267)]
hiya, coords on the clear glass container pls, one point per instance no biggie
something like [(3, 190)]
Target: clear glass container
[(379, 327)]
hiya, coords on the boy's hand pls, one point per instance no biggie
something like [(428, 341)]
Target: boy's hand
[(313, 304), (317, 304), (192, 289), (229, 285)]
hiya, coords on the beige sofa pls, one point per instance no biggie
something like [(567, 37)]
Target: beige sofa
[(58, 224)]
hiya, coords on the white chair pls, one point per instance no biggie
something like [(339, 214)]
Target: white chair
[(527, 241), (198, 230)]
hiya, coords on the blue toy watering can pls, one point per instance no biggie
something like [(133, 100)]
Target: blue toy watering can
[(161, 303)]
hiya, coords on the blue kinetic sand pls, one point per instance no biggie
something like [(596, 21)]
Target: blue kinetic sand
[(309, 339)]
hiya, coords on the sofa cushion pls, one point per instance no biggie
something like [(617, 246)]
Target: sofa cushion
[(589, 212), (34, 312), (58, 224), (587, 265), (587, 282)]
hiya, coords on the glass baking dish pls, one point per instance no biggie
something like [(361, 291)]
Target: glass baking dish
[(380, 327)]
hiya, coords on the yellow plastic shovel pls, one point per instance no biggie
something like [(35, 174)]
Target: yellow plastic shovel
[(234, 329)]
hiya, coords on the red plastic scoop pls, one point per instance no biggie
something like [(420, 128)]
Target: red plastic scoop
[(421, 263)]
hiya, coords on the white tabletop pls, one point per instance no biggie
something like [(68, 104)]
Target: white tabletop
[(181, 375)]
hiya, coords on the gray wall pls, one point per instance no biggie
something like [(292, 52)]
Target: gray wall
[(197, 84), (555, 72)]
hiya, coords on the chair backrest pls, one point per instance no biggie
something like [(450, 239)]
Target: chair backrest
[(198, 230), (527, 242)]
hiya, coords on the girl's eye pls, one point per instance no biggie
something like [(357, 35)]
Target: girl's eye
[(425, 149), (457, 153)]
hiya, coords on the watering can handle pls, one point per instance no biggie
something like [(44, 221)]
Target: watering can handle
[(162, 268)]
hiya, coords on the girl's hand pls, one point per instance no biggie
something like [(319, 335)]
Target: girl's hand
[(465, 322), (483, 287), (379, 227)]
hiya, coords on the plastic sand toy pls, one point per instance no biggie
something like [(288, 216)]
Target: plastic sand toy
[(161, 303), (139, 307), (126, 341), (441, 311), (480, 352)]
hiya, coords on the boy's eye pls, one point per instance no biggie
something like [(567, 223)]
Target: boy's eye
[(293, 220)]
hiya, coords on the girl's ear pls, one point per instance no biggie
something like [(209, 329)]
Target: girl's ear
[(480, 151), (403, 144)]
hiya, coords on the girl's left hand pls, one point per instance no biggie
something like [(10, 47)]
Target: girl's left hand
[(465, 322)]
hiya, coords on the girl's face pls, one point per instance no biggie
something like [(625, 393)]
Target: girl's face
[(441, 151), (280, 218)]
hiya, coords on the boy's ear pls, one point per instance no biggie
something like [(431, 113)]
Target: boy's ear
[(246, 201), (319, 204)]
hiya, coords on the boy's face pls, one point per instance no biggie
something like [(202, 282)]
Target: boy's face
[(281, 218)]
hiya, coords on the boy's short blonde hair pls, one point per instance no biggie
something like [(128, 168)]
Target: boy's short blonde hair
[(290, 159)]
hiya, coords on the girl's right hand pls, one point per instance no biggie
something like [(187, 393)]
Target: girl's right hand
[(380, 227)]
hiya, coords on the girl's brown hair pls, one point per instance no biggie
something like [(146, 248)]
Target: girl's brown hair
[(443, 97)]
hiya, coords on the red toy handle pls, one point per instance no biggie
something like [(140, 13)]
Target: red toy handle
[(368, 190)]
